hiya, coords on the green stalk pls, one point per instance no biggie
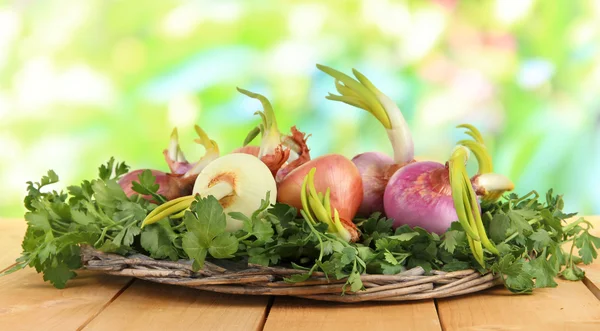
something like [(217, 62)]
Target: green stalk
[(473, 211), (484, 160), (170, 207), (253, 134), (466, 205), (363, 94), (359, 90), (304, 200), (458, 158), (271, 137), (496, 184), (317, 206), (473, 132), (316, 233)]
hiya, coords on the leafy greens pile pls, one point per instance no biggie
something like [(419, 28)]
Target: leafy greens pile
[(529, 234)]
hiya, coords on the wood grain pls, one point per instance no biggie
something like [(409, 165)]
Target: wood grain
[(592, 271), (29, 303), (301, 314), (570, 306), (11, 235), (148, 306)]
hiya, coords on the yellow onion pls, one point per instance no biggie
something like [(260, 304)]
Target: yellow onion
[(334, 172)]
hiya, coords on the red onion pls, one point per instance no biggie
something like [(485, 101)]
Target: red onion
[(333, 171), (373, 168), (419, 194)]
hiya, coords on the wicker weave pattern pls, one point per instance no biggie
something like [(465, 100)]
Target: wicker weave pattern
[(252, 279)]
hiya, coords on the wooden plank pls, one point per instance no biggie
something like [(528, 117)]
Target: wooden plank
[(12, 231), (147, 306), (592, 271), (570, 306), (29, 303), (299, 314)]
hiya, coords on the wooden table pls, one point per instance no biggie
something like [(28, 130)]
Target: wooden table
[(97, 302)]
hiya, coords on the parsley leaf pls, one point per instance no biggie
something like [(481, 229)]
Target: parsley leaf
[(451, 239), (158, 240), (541, 239), (206, 232)]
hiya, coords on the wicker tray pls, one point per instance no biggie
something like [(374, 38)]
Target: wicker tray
[(250, 279)]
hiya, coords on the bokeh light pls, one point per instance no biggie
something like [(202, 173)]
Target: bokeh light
[(81, 81)]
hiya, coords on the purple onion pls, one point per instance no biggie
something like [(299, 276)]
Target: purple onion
[(374, 170), (419, 194)]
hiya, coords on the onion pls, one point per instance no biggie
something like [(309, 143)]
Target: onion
[(171, 186), (281, 153), (176, 160), (420, 195), (239, 181), (375, 168), (180, 181), (274, 161), (432, 196), (334, 172)]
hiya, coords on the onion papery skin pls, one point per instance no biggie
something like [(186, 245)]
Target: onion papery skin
[(373, 168), (171, 186), (334, 171), (419, 194), (252, 150), (274, 161)]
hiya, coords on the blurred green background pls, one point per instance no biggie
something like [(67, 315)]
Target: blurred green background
[(81, 81)]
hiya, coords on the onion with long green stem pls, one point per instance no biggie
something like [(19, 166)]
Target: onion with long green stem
[(375, 167), (378, 169)]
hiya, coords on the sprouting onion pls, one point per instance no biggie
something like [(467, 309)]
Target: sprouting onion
[(180, 181), (271, 151), (375, 168), (275, 147), (317, 207)]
